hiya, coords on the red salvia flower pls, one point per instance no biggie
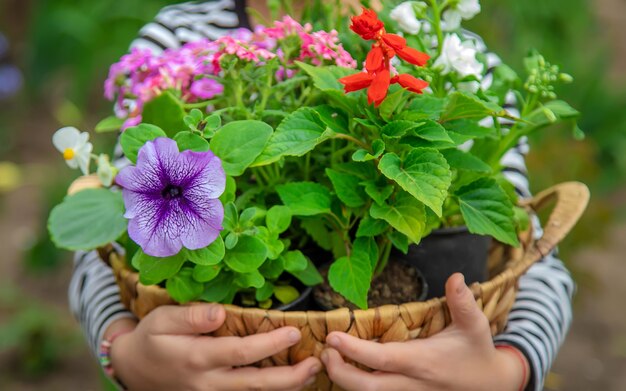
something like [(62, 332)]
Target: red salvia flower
[(367, 25), (377, 75)]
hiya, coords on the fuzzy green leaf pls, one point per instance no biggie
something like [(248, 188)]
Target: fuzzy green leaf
[(294, 261), (309, 276), (487, 210), (191, 141), (278, 219), (405, 214), (348, 188), (425, 174), (296, 135), (351, 276), (460, 160), (463, 105), (165, 111)]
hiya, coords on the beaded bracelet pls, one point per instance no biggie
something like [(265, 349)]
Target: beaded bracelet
[(105, 356), (522, 360)]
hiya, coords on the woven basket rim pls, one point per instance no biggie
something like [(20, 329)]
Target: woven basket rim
[(572, 199)]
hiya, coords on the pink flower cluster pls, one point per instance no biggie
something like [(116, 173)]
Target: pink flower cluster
[(192, 69)]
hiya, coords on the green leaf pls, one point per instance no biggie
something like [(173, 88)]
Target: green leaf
[(351, 277), (487, 210), (231, 217), (431, 131), (333, 118), (327, 77), (368, 248), (272, 268), (460, 160), (305, 198), (264, 292), (153, 270), (213, 122), (309, 276), (247, 255), (286, 293), (191, 141), (399, 241), (193, 119), (317, 230), (203, 273), (294, 261), (231, 240), (391, 103), (134, 138), (182, 287), (109, 124), (397, 129), (230, 191), (296, 135), (425, 174), (424, 107), (406, 215), (274, 245), (278, 219), (370, 227), (253, 279), (377, 191), (88, 219), (166, 112), (348, 188), (464, 105), (210, 255), (218, 288), (239, 143), (463, 130)]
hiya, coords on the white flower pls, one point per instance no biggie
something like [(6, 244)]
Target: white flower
[(404, 15), (459, 57), (106, 172), (74, 146), (464, 9)]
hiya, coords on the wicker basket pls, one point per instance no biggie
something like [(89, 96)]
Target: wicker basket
[(391, 322)]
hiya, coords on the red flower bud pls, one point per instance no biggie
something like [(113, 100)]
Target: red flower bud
[(356, 82), (378, 89), (395, 41), (410, 83), (367, 25), (413, 56), (374, 60)]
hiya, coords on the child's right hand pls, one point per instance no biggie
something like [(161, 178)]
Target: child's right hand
[(166, 351)]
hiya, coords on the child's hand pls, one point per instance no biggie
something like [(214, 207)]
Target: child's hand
[(166, 352), (461, 357)]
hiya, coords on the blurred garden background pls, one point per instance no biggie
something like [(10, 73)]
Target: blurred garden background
[(54, 57)]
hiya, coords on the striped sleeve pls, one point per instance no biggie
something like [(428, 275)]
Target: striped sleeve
[(93, 293), (542, 312)]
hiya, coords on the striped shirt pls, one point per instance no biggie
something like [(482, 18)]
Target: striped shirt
[(541, 315)]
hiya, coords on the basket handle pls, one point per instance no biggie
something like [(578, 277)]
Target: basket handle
[(571, 199)]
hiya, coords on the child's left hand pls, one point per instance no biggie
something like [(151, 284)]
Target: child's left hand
[(461, 357)]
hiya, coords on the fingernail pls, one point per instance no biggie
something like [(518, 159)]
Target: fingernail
[(315, 369), (310, 381), (333, 341), (213, 312), (461, 287), (324, 356), (294, 336)]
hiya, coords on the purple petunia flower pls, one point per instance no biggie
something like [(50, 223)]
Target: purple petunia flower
[(171, 198)]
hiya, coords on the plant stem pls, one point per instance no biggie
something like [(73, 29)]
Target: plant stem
[(352, 139), (384, 259)]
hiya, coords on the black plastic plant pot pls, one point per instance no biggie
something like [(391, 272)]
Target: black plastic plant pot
[(302, 303), (447, 251)]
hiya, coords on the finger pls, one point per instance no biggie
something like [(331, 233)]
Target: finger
[(388, 357), (462, 304), (274, 378), (192, 319), (351, 378), (236, 351)]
